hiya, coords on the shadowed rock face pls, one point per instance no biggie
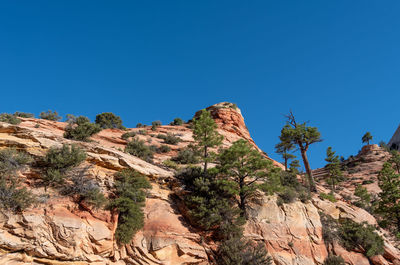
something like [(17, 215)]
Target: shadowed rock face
[(61, 231)]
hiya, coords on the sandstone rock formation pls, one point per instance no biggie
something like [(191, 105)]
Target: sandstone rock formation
[(60, 231)]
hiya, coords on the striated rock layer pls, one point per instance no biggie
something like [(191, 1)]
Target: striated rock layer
[(59, 231)]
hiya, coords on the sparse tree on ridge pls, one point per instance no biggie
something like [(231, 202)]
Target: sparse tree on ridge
[(303, 136), (367, 138), (109, 120)]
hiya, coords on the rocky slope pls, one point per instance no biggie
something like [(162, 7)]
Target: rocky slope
[(361, 169), (59, 231)]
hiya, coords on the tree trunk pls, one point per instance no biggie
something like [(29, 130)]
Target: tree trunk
[(205, 160), (286, 160), (242, 197), (242, 206), (311, 182)]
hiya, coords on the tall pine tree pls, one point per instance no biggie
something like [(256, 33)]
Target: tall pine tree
[(243, 164), (303, 136), (206, 136), (389, 197), (335, 174)]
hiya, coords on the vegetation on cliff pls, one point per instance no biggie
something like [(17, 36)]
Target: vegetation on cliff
[(389, 197), (59, 161), (50, 115), (302, 136), (13, 196), (80, 128), (217, 198), (130, 195), (109, 120)]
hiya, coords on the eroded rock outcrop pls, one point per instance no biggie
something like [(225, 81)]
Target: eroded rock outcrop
[(60, 231)]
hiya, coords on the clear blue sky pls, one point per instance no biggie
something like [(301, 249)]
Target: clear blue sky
[(334, 63)]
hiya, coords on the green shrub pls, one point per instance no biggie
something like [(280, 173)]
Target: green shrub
[(155, 125), (177, 121), (164, 149), (351, 235), (330, 229), (13, 197), (142, 132), (334, 260), (209, 201), (364, 198), (139, 125), (171, 139), (186, 156), (130, 220), (170, 164), (12, 160), (70, 118), (304, 195), (354, 235), (109, 120), (65, 157), (9, 118), (289, 195), (53, 177), (161, 136), (127, 135), (368, 181), (138, 148), (130, 189), (327, 196), (85, 189), (23, 114), (238, 251), (58, 161), (289, 179), (81, 129), (273, 183), (50, 115)]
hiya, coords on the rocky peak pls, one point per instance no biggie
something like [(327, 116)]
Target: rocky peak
[(229, 119)]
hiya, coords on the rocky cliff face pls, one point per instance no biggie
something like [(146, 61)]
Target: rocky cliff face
[(60, 231)]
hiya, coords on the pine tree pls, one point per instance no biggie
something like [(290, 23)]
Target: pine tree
[(283, 148), (206, 135), (334, 168), (389, 197), (303, 136), (109, 120), (294, 166), (209, 200), (130, 191), (245, 166), (395, 160), (367, 137), (364, 200)]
